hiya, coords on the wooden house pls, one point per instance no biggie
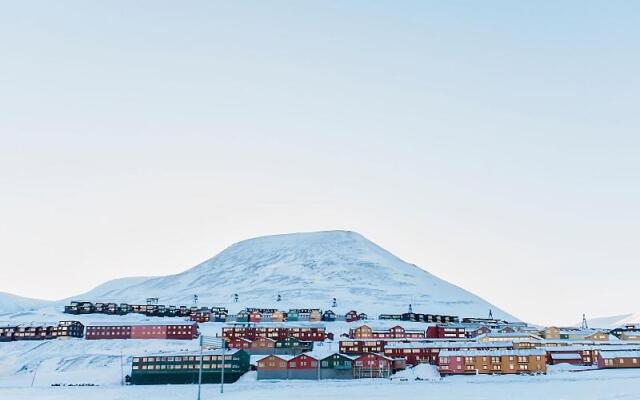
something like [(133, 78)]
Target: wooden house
[(329, 316), (181, 368), (337, 366), (363, 317), (351, 316), (242, 316), (262, 345), (372, 365), (279, 316), (293, 315), (315, 315), (79, 307), (303, 366), (273, 367), (619, 359)]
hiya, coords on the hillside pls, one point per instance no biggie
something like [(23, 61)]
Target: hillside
[(614, 321), (306, 270), (10, 303)]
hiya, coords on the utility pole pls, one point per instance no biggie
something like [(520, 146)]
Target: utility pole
[(121, 369), (200, 368), (222, 373)]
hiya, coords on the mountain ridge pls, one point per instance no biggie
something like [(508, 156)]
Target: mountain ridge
[(307, 270)]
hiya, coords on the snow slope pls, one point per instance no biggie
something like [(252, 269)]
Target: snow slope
[(10, 303), (307, 270), (614, 321)]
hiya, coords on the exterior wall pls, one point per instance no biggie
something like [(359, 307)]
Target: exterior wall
[(332, 373), (309, 374), (108, 332), (481, 364), (272, 373), (362, 346), (621, 362)]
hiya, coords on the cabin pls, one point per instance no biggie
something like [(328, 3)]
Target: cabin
[(329, 316), (293, 315), (461, 362), (619, 359), (255, 316), (279, 316), (337, 366), (315, 315), (182, 368), (363, 317), (303, 366), (242, 316), (372, 365), (351, 316), (273, 367)]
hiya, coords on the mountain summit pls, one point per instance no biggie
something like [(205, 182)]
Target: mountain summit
[(306, 270)]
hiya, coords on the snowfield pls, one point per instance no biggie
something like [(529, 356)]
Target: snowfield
[(608, 384)]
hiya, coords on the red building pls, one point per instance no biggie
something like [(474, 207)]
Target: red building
[(303, 366), (395, 332), (360, 346), (372, 365), (428, 352), (276, 332), (351, 316), (446, 331), (180, 330)]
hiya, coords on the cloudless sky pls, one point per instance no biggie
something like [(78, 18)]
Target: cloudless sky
[(496, 144)]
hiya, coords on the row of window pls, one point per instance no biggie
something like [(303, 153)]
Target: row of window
[(185, 366), (179, 358)]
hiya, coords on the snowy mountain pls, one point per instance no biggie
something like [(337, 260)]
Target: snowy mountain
[(614, 321), (10, 303), (306, 270)]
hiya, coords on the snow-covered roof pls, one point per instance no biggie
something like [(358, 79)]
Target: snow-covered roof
[(294, 324), (445, 345), (491, 353), (620, 354), (566, 356), (149, 323), (280, 356), (194, 353)]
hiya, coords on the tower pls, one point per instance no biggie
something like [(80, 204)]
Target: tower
[(584, 322), (490, 314)]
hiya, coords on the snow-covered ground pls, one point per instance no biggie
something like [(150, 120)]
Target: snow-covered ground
[(608, 384)]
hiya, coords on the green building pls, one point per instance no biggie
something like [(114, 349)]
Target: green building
[(183, 368)]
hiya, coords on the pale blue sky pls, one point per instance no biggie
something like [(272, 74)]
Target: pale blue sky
[(494, 143)]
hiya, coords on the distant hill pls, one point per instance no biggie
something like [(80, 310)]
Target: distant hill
[(306, 270), (614, 321), (10, 303)]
